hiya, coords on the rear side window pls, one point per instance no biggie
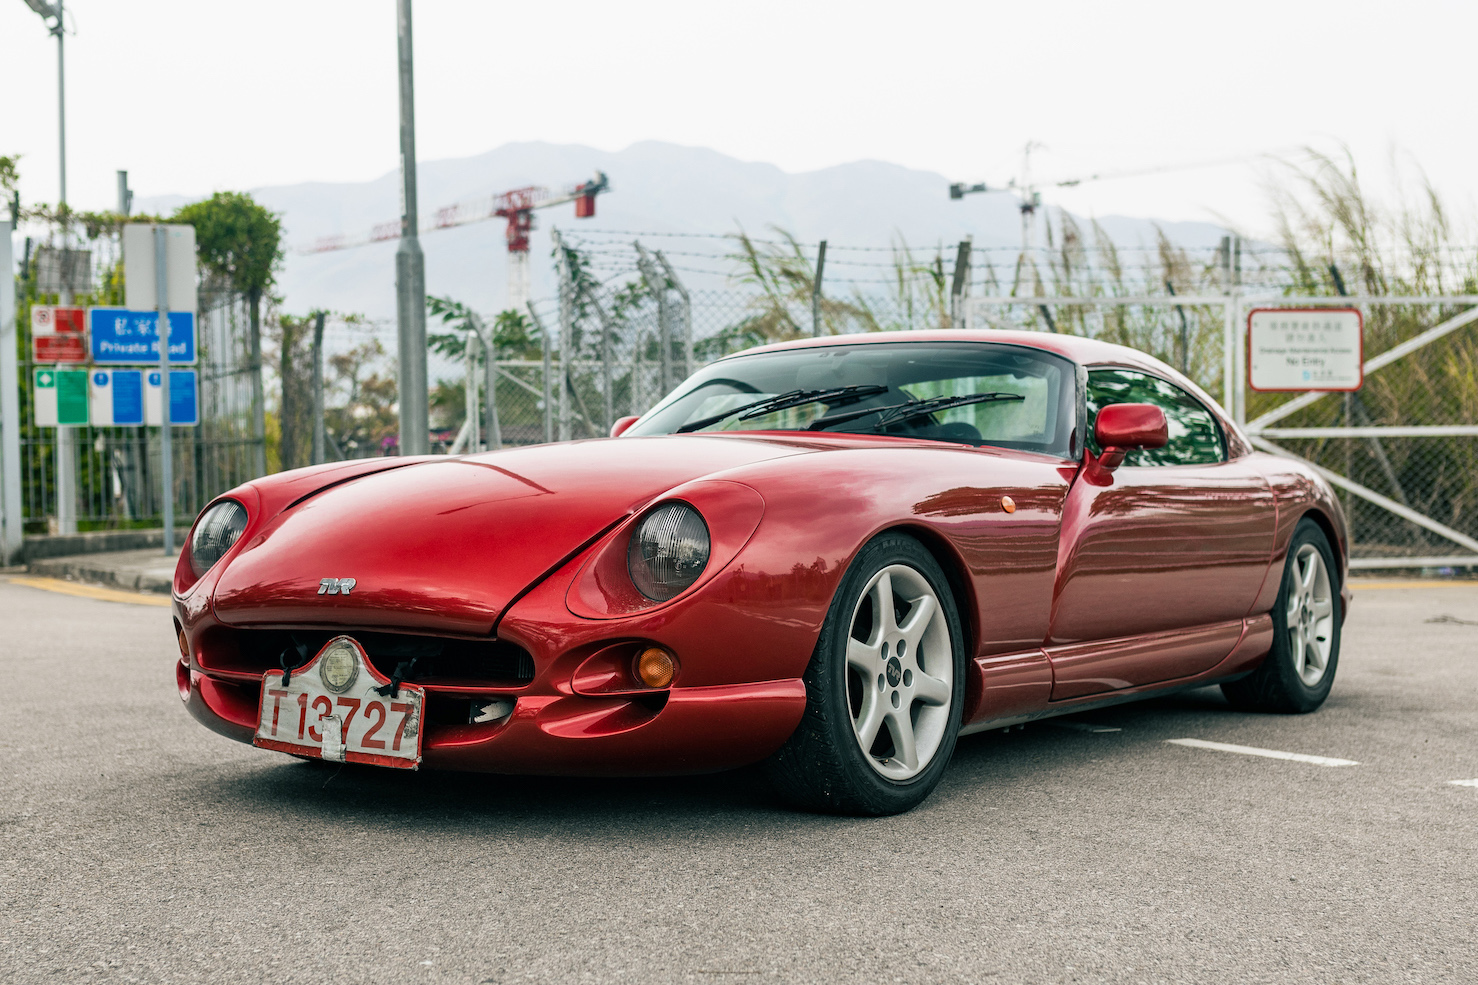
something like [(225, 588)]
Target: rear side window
[(1195, 436)]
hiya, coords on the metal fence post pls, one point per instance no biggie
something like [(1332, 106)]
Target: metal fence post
[(1228, 356), (166, 447), (566, 332), (657, 285), (1239, 356), (687, 313), (319, 432), (607, 397), (11, 520), (960, 287), (816, 289), (470, 389), (548, 370), (490, 366)]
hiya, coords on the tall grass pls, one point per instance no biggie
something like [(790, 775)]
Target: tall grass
[(1333, 230)]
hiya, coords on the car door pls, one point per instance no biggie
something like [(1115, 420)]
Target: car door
[(1159, 562)]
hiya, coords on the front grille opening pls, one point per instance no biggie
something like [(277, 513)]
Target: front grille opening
[(438, 660)]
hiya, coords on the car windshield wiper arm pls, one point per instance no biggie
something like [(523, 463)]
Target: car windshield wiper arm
[(792, 398), (915, 408)]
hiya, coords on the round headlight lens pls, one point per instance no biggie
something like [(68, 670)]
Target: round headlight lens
[(338, 668), (214, 534), (669, 550)]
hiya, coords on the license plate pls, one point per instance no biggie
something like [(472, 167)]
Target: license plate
[(331, 708)]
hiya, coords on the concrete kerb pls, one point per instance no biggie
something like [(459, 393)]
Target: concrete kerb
[(95, 542), (146, 570)]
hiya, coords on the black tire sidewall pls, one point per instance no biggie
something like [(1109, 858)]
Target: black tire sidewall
[(826, 678), (1280, 660)]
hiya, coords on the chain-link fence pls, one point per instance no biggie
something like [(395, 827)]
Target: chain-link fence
[(624, 331), (1402, 451), (93, 478)]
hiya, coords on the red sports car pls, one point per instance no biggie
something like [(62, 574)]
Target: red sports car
[(831, 557)]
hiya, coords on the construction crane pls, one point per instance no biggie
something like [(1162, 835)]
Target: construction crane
[(1030, 194), (516, 206)]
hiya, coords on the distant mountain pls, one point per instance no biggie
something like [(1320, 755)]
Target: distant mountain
[(655, 188)]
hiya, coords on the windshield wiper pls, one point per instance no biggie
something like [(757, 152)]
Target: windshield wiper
[(793, 398), (893, 413)]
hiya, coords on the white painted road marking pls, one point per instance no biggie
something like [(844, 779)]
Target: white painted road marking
[(1464, 783), (1084, 727), (1296, 757)]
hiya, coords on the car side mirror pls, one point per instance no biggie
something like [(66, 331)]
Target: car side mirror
[(622, 424), (1122, 428)]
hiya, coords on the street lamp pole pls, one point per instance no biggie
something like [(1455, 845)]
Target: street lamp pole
[(66, 465), (61, 98), (410, 263)]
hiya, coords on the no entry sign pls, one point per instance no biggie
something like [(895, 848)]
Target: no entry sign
[(1305, 349), (58, 334)]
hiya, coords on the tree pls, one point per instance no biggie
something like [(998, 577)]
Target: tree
[(366, 422), (9, 176), (294, 338), (240, 245)]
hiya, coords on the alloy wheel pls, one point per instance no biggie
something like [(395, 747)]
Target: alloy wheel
[(900, 672), (1310, 615)]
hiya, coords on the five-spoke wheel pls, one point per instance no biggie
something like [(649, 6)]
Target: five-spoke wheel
[(1310, 615), (884, 689), (900, 680), (1299, 669)]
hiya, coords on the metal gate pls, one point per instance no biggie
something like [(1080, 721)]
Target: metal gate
[(1407, 469)]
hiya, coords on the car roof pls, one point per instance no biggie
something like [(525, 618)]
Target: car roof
[(1088, 352)]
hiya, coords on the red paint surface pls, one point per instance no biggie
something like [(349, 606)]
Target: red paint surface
[(1131, 426), (59, 348), (1142, 579)]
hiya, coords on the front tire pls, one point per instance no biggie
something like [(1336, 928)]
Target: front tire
[(1299, 670), (884, 690)]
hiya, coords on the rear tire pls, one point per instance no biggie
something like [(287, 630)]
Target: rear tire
[(884, 690), (1299, 670)]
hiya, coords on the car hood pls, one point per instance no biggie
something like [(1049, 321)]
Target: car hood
[(447, 544)]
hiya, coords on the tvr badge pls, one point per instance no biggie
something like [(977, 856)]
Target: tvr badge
[(336, 586)]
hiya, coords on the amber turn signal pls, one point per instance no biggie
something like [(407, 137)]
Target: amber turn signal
[(1008, 504), (184, 646), (655, 667)]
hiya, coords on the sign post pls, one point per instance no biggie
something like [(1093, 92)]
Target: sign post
[(169, 284), (10, 411), (166, 450)]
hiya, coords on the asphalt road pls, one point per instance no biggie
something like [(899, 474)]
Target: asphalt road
[(137, 847)]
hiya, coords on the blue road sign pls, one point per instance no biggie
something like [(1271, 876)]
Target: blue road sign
[(184, 407), (132, 337), (117, 397)]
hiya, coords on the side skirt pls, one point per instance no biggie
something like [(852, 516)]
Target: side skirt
[(1246, 655)]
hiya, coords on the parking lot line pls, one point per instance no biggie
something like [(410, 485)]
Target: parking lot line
[(1360, 584), (1296, 757), (1464, 783)]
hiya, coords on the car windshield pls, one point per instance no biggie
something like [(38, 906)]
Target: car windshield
[(1028, 397)]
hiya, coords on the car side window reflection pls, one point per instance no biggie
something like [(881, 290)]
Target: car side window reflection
[(1195, 437)]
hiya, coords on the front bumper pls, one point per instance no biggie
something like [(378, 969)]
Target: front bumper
[(695, 730)]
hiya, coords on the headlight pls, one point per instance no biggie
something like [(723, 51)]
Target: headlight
[(214, 534), (669, 550)]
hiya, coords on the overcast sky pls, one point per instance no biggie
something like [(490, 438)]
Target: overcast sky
[(192, 97)]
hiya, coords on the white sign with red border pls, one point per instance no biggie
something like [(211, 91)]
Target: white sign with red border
[(58, 334), (1291, 349), (338, 707)]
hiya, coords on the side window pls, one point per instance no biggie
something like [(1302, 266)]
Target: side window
[(1195, 437)]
